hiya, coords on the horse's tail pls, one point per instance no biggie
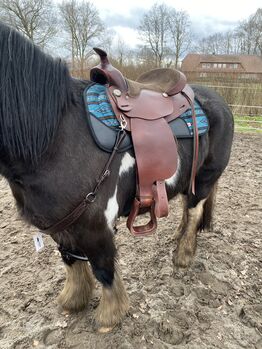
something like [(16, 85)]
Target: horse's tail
[(207, 218)]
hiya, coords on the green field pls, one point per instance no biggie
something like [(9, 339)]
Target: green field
[(252, 124)]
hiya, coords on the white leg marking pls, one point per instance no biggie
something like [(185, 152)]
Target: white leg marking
[(111, 210), (127, 162), (172, 181)]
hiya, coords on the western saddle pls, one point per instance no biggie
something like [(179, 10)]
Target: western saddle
[(145, 107)]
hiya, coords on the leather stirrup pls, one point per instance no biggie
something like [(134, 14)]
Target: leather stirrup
[(141, 230)]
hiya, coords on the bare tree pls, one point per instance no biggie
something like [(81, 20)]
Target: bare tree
[(246, 38), (179, 26), (154, 29), (34, 18), (217, 43), (82, 23), (258, 30), (250, 32), (121, 51)]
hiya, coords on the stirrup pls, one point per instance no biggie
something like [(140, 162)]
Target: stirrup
[(141, 230)]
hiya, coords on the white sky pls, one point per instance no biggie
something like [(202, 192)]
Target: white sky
[(207, 16)]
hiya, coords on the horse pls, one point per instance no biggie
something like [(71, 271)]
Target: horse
[(51, 161)]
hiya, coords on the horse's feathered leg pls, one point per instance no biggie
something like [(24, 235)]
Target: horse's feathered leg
[(78, 286), (187, 241), (183, 223), (207, 220), (101, 253), (113, 305), (100, 250), (197, 215)]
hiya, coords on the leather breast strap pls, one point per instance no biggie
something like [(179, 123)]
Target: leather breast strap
[(65, 222)]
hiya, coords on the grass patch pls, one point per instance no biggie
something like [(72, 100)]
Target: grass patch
[(251, 124)]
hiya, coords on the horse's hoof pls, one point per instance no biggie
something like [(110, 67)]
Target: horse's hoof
[(66, 312), (105, 329), (182, 260)]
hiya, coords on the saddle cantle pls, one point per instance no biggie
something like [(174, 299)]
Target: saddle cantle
[(145, 107)]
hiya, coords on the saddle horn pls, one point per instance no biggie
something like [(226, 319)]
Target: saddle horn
[(104, 73), (103, 56)]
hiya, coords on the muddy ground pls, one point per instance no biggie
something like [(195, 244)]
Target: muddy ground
[(215, 304)]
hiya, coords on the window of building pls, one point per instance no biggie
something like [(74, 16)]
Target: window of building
[(233, 65), (206, 65), (219, 65)]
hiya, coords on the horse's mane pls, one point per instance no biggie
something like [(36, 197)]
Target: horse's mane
[(34, 93)]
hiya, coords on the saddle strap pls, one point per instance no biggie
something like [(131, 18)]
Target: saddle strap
[(195, 144), (156, 158), (160, 198)]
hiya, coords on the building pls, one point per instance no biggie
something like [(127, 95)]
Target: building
[(244, 67)]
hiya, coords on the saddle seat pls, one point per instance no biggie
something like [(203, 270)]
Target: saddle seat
[(163, 80), (145, 107)]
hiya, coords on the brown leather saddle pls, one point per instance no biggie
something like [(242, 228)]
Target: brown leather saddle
[(145, 107)]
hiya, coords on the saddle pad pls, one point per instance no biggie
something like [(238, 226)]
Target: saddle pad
[(104, 125)]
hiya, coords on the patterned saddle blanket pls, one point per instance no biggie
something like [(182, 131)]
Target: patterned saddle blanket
[(104, 124)]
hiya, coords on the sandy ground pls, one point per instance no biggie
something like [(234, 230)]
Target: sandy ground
[(214, 304)]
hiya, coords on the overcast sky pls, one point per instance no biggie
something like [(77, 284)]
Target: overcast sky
[(207, 16)]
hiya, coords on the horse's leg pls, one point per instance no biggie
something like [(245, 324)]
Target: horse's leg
[(114, 302), (199, 215), (78, 286), (113, 305), (183, 223), (207, 219)]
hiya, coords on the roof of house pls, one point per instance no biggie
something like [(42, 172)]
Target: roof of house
[(250, 63)]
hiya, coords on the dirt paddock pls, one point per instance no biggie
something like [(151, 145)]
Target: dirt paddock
[(217, 303)]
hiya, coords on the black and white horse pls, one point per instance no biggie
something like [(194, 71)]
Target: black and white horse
[(51, 162)]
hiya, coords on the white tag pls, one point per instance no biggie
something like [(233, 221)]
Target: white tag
[(38, 240)]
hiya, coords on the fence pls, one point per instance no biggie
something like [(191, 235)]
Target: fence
[(248, 123), (245, 101)]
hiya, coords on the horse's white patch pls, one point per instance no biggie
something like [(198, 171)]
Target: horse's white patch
[(112, 207), (172, 181), (111, 210), (127, 162)]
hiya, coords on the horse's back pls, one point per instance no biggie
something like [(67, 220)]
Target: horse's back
[(221, 122), (218, 111)]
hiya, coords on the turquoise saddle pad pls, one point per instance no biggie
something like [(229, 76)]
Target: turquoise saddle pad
[(104, 124)]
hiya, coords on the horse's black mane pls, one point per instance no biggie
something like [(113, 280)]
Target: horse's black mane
[(34, 92)]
